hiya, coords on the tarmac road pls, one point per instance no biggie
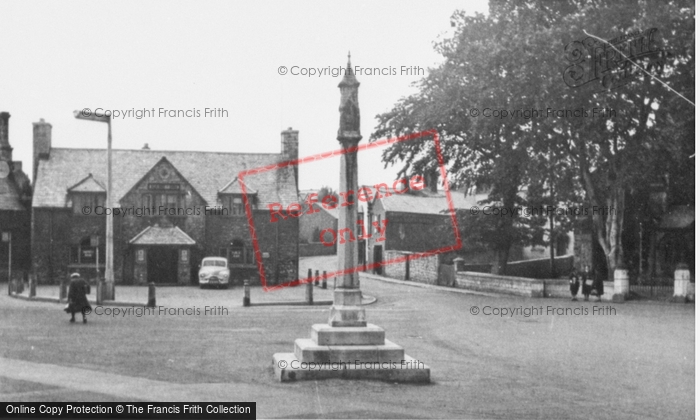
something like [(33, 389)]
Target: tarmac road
[(638, 362)]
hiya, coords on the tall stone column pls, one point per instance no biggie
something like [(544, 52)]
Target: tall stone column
[(347, 347), (347, 299)]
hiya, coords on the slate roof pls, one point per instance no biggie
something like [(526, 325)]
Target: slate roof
[(429, 203), (207, 172), (89, 184), (9, 196), (157, 235)]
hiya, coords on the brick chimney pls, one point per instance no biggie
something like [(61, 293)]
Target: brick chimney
[(5, 148), (290, 149), (42, 144)]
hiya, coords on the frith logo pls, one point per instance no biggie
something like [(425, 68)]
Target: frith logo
[(614, 63)]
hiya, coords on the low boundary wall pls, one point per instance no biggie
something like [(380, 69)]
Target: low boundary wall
[(483, 282)]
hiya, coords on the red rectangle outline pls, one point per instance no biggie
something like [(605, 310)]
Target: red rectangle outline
[(383, 142)]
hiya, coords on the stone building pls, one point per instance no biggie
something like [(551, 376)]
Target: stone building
[(416, 222), (15, 208), (170, 209), (316, 221)]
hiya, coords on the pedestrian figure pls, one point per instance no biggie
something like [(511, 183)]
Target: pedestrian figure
[(586, 284), (77, 297), (598, 286), (574, 284)]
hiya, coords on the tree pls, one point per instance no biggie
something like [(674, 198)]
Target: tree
[(512, 60)]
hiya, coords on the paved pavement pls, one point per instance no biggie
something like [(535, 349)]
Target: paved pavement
[(638, 362)]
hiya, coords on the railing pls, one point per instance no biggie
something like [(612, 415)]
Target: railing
[(655, 288)]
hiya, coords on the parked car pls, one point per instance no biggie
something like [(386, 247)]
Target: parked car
[(214, 272)]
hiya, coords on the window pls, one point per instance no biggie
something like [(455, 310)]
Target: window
[(90, 201), (166, 201), (234, 206), (213, 263), (83, 253), (237, 205)]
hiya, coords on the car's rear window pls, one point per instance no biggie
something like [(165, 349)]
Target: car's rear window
[(214, 263)]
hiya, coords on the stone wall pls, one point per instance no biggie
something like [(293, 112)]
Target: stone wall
[(539, 268), (279, 244), (56, 230), (422, 270), (483, 282), (395, 270)]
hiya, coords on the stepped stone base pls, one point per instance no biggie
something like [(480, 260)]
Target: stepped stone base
[(289, 368), (350, 353), (326, 335)]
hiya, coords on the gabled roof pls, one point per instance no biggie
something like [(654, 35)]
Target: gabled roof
[(157, 235), (234, 187), (163, 162), (88, 184), (207, 172)]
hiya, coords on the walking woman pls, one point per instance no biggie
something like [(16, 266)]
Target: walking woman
[(77, 297)]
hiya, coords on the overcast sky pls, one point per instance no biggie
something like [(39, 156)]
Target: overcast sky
[(57, 57)]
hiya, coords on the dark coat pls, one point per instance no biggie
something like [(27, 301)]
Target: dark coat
[(586, 284), (598, 285), (574, 284), (77, 295)]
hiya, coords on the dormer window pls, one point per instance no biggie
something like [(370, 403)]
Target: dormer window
[(233, 204), (231, 199), (88, 197), (88, 203)]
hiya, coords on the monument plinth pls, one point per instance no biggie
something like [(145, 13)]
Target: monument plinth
[(348, 347)]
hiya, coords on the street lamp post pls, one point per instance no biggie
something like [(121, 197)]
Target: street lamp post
[(108, 290)]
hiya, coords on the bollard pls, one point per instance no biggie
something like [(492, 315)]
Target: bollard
[(681, 281), (109, 291), (9, 288), (323, 282), (99, 292), (63, 290), (316, 279), (621, 286), (151, 295), (309, 290), (246, 293), (32, 285)]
